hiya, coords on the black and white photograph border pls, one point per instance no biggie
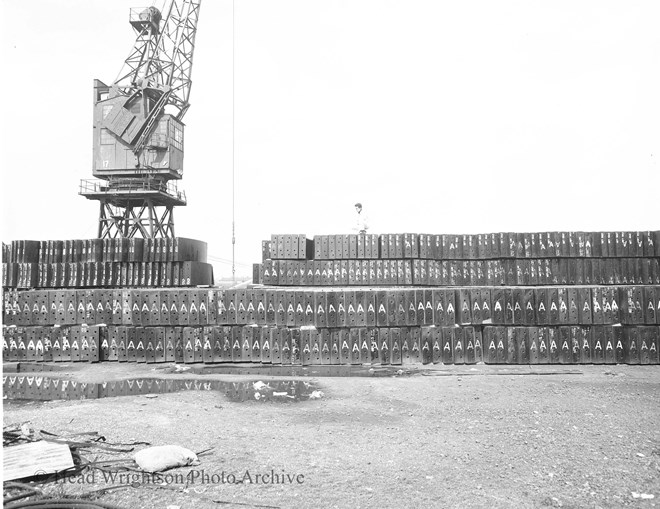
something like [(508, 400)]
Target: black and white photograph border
[(413, 259)]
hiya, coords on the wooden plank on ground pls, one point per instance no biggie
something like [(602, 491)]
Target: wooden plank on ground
[(35, 458)]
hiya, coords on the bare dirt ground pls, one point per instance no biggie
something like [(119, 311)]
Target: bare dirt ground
[(473, 437)]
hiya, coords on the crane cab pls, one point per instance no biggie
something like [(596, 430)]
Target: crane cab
[(118, 123), (145, 18)]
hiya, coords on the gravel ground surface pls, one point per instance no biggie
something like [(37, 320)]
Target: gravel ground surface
[(470, 437)]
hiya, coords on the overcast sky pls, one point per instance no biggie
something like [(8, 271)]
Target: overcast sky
[(440, 117)]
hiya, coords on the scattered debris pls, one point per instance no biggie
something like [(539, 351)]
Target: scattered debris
[(13, 491), (260, 385), (163, 457), (643, 496), (45, 457), (316, 395)]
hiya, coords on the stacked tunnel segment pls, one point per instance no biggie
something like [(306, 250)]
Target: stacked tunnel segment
[(391, 299)]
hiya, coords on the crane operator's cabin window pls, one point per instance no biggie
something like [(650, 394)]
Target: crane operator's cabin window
[(176, 135)]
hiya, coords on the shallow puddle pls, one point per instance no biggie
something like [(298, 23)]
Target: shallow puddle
[(47, 388)]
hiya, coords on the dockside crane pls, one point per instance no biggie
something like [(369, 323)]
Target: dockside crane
[(138, 126)]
